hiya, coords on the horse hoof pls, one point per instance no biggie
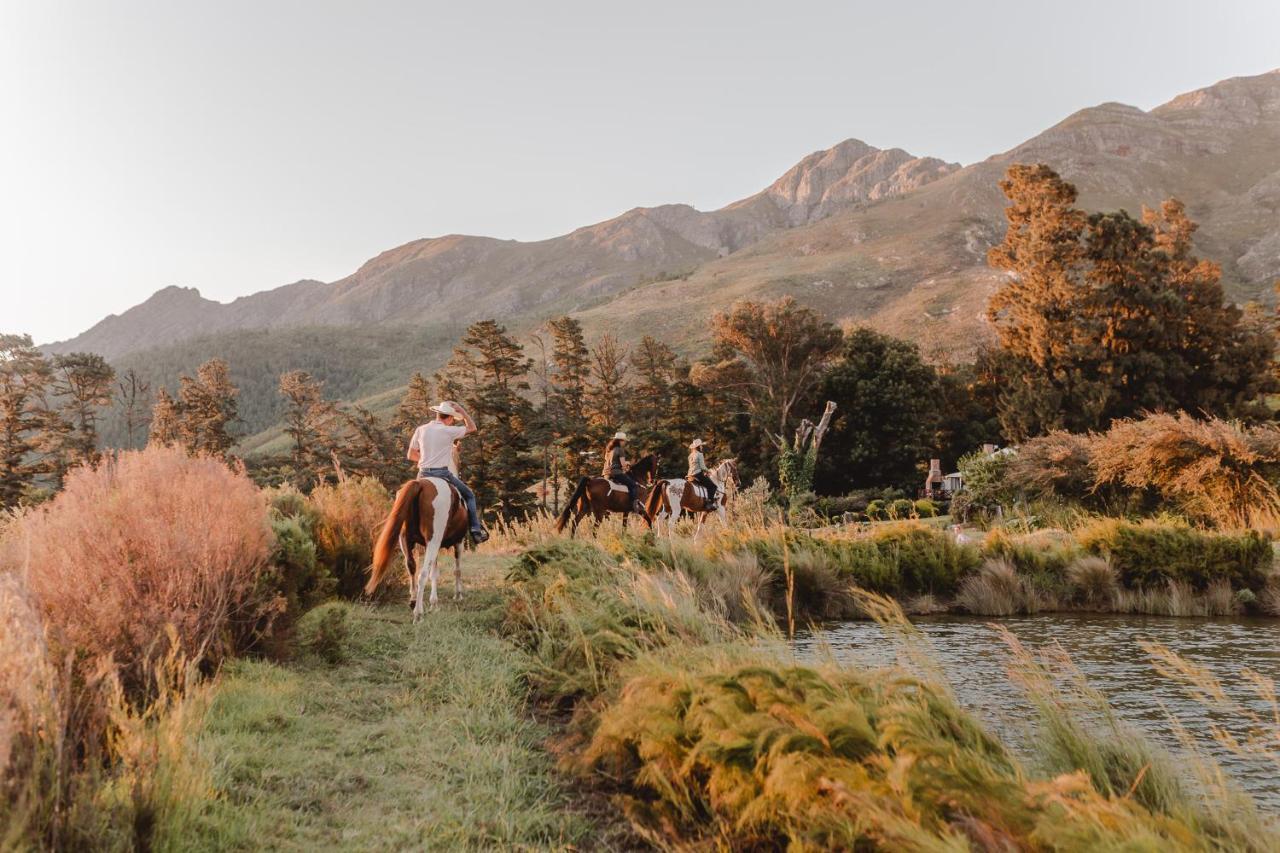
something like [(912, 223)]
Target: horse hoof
[(413, 605)]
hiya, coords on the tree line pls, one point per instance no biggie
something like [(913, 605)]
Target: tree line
[(1102, 316)]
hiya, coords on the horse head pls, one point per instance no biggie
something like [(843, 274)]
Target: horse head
[(644, 469)]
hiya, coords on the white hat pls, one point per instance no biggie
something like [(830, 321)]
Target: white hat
[(447, 408), (620, 436), (695, 444)]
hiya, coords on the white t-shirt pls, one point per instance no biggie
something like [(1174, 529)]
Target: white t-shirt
[(434, 441)]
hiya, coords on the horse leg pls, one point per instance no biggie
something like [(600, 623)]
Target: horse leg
[(577, 519), (457, 572), (407, 550), (697, 530)]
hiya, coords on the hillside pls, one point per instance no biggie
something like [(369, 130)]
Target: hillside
[(467, 278), (863, 234)]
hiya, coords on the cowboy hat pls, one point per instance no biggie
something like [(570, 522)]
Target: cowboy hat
[(445, 407), (620, 436), (695, 444)]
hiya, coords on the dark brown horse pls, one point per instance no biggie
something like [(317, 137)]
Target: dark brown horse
[(426, 512), (599, 496)]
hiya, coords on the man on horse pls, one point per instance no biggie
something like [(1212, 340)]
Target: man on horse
[(698, 472), (432, 447), (615, 469)]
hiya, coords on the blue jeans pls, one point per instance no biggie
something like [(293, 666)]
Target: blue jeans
[(468, 496)]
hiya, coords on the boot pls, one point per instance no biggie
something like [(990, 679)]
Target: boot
[(479, 535), (638, 507)]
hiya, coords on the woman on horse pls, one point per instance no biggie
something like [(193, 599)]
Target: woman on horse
[(615, 468), (698, 471)]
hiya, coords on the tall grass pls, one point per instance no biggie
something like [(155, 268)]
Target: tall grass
[(348, 516), (711, 736)]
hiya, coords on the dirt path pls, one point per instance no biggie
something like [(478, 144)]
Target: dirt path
[(421, 738)]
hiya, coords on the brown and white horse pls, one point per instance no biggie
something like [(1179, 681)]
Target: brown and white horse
[(600, 496), (672, 497), (426, 512)]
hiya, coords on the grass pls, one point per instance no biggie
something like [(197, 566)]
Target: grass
[(416, 738)]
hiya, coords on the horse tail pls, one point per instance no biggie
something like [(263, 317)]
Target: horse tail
[(656, 497), (402, 512), (572, 503)]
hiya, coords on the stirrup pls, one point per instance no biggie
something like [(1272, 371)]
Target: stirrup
[(479, 535)]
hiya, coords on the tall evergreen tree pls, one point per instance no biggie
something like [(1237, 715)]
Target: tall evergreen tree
[(1104, 316), (310, 423), (82, 384), (415, 407), (488, 374), (165, 428), (207, 406), (567, 406), (607, 392), (24, 377)]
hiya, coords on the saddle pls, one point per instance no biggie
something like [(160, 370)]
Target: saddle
[(616, 486)]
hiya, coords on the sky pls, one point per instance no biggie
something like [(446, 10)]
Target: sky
[(237, 146)]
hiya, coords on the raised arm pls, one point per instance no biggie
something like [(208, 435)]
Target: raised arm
[(467, 419)]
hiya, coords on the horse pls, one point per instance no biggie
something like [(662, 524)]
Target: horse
[(600, 496), (429, 512), (671, 497)]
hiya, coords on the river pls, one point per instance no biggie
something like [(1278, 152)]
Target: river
[(1106, 649)]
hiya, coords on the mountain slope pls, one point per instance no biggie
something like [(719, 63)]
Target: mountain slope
[(466, 278)]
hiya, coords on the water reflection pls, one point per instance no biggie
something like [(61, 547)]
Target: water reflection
[(1107, 650)]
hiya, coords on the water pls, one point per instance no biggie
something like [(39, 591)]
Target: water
[(1107, 650)]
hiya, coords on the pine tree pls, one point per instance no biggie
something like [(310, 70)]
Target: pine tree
[(164, 429), (82, 385), (487, 373), (371, 448), (415, 407), (208, 409), (607, 392), (1105, 316), (567, 409), (24, 377), (310, 422)]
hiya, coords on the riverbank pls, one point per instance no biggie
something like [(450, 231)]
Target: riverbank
[(418, 737)]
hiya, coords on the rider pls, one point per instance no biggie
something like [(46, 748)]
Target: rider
[(432, 447), (698, 471), (615, 468)]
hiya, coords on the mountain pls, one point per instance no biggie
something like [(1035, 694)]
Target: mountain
[(863, 234), (468, 278)]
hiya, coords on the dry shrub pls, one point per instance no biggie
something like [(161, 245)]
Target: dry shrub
[(997, 589), (1093, 581), (349, 515), (1213, 469), (152, 538), (1053, 465)]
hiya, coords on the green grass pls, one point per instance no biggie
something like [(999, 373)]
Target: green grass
[(418, 738)]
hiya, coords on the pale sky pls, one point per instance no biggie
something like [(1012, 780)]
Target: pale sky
[(237, 146)]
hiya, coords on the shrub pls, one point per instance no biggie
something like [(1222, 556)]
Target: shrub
[(901, 509), (877, 511), (1151, 553), (925, 508), (985, 478), (150, 539), (324, 631), (998, 590), (1053, 465), (295, 572), (926, 559), (1092, 580), (1213, 469), (349, 515)]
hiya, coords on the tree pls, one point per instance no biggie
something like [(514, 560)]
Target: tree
[(310, 423), (371, 448), (487, 373), (415, 407), (767, 360), (567, 405), (24, 377), (165, 428), (133, 395), (890, 408), (1104, 316), (607, 392), (208, 409), (82, 384)]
